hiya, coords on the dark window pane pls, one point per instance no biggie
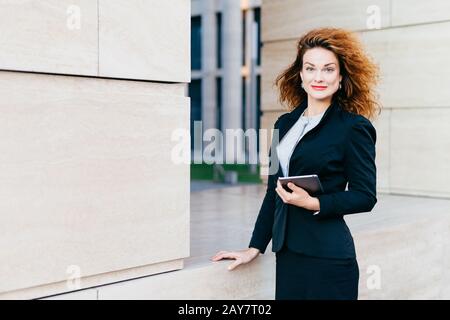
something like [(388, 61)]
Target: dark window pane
[(196, 43), (244, 96), (219, 103), (258, 107), (195, 93), (258, 101), (244, 38), (219, 40), (257, 15)]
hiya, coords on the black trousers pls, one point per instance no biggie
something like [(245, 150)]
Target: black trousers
[(302, 277)]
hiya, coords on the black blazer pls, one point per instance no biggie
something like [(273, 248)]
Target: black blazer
[(340, 149)]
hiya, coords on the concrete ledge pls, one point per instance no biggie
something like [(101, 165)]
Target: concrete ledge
[(60, 288), (200, 280)]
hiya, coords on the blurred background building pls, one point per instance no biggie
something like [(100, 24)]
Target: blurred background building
[(226, 64)]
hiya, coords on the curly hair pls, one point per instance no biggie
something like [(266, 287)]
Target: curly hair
[(359, 73)]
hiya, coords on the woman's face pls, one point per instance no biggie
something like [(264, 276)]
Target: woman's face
[(320, 73)]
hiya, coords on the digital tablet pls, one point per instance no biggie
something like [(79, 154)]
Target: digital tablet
[(310, 183)]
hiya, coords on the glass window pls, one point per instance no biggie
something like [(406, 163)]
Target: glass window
[(219, 103), (195, 93), (219, 40), (243, 37), (196, 43), (244, 97), (257, 15), (258, 104)]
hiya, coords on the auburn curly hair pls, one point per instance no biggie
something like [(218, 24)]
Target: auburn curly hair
[(359, 73)]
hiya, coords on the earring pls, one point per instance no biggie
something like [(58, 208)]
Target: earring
[(302, 85), (340, 85)]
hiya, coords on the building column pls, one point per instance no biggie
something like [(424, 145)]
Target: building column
[(209, 54), (232, 64), (251, 63), (251, 115)]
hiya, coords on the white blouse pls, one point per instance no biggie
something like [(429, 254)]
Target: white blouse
[(288, 143)]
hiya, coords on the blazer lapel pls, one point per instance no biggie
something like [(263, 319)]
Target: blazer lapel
[(293, 117)]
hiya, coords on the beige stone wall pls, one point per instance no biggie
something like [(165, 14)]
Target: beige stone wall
[(411, 47), (89, 187)]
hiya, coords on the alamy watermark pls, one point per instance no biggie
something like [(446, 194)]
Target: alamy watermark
[(73, 21), (374, 19), (73, 277), (234, 146), (374, 279)]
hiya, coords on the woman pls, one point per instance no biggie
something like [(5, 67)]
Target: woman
[(329, 88)]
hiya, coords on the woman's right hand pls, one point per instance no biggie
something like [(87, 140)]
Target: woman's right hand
[(241, 257)]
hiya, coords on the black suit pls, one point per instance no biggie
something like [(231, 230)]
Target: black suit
[(340, 149)]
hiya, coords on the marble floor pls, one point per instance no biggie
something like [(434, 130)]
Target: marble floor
[(222, 218)]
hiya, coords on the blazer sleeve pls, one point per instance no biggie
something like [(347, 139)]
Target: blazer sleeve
[(262, 232), (360, 171)]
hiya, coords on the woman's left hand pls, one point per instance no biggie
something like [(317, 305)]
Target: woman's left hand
[(298, 197)]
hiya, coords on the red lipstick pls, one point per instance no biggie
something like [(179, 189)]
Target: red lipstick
[(319, 88)]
